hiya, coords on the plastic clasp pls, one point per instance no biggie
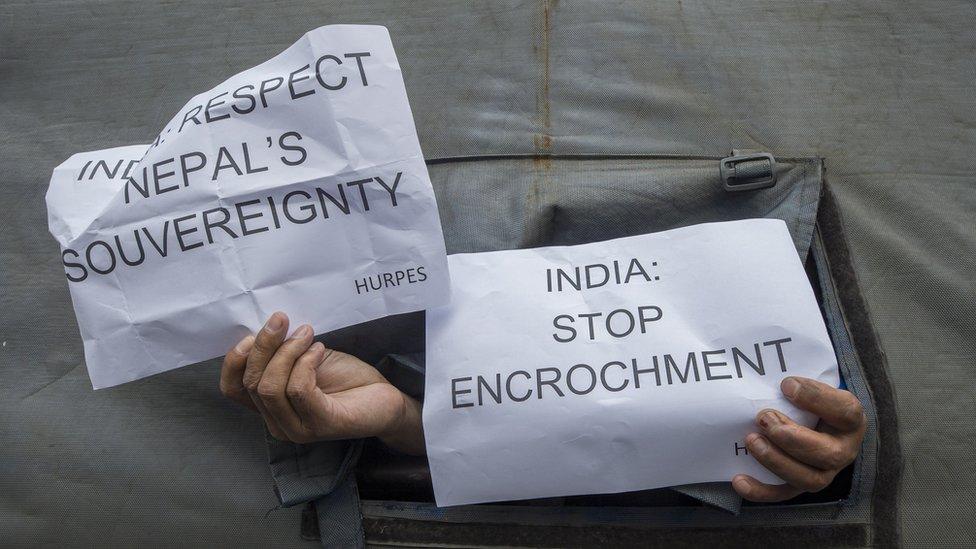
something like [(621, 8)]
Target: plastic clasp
[(748, 172)]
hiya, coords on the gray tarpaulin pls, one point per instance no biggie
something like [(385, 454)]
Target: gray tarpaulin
[(881, 90)]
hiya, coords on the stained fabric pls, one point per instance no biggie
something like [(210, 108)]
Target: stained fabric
[(881, 90)]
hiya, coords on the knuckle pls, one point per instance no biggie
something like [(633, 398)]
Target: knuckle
[(853, 413), (758, 448), (781, 437), (265, 344), (821, 481), (786, 435), (813, 482), (808, 392), (262, 347), (836, 457), (251, 382), (285, 349), (295, 392), (294, 347), (267, 389)]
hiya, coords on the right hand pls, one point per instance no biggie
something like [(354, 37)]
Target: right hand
[(807, 459), (307, 393)]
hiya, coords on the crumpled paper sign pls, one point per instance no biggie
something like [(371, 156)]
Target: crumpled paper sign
[(297, 185)]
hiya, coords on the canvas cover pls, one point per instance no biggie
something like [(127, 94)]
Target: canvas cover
[(570, 199), (881, 90)]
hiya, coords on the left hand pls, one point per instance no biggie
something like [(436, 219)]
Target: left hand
[(807, 459), (307, 393)]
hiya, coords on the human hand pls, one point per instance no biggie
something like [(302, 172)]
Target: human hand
[(806, 459), (307, 393)]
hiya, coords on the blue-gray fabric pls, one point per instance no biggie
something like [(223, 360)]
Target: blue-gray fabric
[(340, 521), (306, 472), (882, 90)]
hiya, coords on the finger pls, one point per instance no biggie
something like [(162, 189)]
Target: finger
[(271, 388), (232, 373), (820, 450), (309, 402), (800, 475), (836, 407), (266, 343), (753, 490)]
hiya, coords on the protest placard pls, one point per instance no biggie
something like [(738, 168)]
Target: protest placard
[(297, 185), (629, 364)]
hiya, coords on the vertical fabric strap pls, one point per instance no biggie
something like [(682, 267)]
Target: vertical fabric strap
[(852, 375), (306, 472), (322, 473), (340, 518)]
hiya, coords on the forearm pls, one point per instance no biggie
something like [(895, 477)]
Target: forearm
[(406, 432)]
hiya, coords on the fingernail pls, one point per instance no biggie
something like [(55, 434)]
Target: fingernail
[(758, 444), (741, 485), (302, 332), (790, 386), (245, 345), (768, 419), (274, 324)]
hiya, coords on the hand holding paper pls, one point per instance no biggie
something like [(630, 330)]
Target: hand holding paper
[(307, 393), (807, 460)]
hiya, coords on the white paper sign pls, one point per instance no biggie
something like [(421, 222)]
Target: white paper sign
[(298, 185), (630, 364)]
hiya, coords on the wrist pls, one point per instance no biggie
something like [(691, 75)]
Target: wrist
[(405, 432)]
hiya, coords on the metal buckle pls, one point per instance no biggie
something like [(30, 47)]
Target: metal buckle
[(757, 175)]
